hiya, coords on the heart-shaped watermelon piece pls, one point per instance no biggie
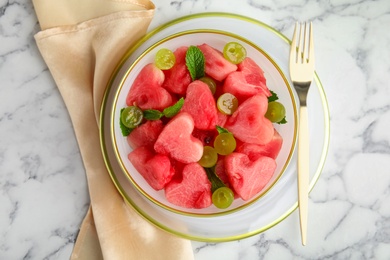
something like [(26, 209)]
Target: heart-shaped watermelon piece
[(155, 168), (147, 92), (176, 140), (248, 177), (236, 84), (270, 149), (248, 122), (178, 77), (200, 104), (216, 65), (254, 74), (193, 191), (145, 134)]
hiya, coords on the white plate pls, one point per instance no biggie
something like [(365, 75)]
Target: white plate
[(276, 81), (279, 201)]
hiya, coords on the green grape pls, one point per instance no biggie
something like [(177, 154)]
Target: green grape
[(164, 59), (275, 112), (132, 116), (224, 143), (227, 103), (222, 197), (234, 52), (209, 157), (210, 82)]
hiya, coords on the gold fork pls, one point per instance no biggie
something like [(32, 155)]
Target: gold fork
[(301, 73)]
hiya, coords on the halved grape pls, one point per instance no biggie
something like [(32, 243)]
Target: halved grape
[(222, 197), (234, 52), (275, 112), (209, 157), (210, 82), (164, 59), (227, 103), (132, 116), (225, 143)]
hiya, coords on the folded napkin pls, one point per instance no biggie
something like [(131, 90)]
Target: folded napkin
[(82, 41)]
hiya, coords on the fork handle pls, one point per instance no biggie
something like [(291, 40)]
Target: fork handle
[(303, 170)]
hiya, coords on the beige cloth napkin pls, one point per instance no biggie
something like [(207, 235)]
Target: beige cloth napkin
[(81, 41)]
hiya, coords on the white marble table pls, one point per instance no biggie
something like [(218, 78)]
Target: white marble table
[(43, 192)]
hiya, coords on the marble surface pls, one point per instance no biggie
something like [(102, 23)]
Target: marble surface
[(43, 190)]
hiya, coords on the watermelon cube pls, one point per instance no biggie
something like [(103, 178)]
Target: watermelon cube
[(193, 191), (147, 92), (248, 177), (155, 168)]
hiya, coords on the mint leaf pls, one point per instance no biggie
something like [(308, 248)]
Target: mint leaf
[(152, 114), (273, 97), (283, 121), (214, 179), (174, 109), (221, 130), (195, 62), (124, 129)]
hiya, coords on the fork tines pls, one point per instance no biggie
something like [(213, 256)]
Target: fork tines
[(304, 43)]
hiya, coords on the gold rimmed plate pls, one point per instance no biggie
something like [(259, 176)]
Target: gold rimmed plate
[(273, 206), (276, 81)]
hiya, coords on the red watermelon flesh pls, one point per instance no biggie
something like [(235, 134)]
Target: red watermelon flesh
[(270, 149), (193, 191), (155, 168), (200, 104), (178, 167), (254, 74), (248, 123), (248, 177), (222, 118), (146, 134), (220, 170), (147, 92), (178, 77), (236, 84), (216, 65), (222, 174), (176, 140), (205, 136)]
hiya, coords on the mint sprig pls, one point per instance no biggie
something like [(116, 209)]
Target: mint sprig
[(221, 130), (273, 97), (214, 179), (152, 114), (282, 122), (174, 109), (195, 62), (169, 112)]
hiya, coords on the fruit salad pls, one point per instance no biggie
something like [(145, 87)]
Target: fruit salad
[(200, 122)]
